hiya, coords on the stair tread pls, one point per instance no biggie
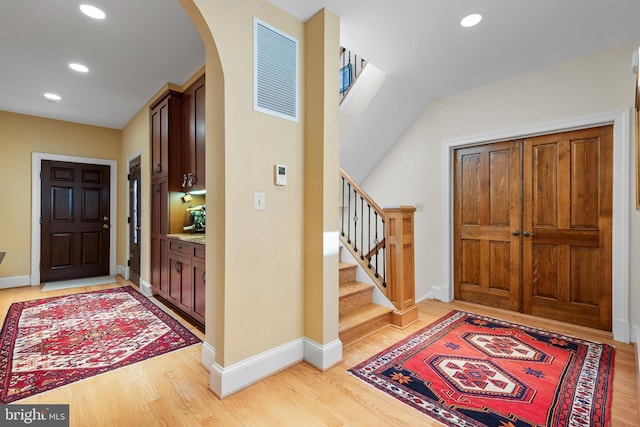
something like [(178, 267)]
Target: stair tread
[(345, 265), (362, 315), (351, 288)]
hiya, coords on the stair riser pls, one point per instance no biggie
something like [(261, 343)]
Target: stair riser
[(352, 302), (347, 275), (364, 329)]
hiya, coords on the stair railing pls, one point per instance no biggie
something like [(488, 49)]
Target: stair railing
[(351, 65), (381, 240)]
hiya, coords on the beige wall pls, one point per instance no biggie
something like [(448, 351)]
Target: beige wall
[(20, 135), (412, 170), (321, 174), (261, 292)]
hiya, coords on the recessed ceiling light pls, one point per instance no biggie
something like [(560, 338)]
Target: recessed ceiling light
[(471, 20), (92, 11), (78, 67), (52, 96)]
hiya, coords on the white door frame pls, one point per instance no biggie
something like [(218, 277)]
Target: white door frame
[(36, 168), (621, 193)]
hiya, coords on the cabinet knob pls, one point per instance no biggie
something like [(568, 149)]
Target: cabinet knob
[(178, 267)]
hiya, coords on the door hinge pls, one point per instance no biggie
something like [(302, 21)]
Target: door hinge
[(128, 263), (128, 177), (128, 220), (40, 220)]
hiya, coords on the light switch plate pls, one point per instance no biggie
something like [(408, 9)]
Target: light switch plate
[(259, 201)]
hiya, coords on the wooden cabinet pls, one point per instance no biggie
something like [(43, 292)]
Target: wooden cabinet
[(177, 166), (187, 277), (166, 160), (166, 137), (198, 275), (180, 283), (158, 234), (193, 152)]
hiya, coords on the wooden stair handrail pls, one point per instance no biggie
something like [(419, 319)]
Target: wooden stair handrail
[(364, 195)]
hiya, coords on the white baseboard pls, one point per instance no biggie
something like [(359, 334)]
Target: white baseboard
[(123, 271), (208, 357), (621, 330), (320, 356), (441, 293), (145, 288), (15, 281), (428, 295), (230, 379)]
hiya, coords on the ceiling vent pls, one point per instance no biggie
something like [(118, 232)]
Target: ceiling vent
[(275, 76)]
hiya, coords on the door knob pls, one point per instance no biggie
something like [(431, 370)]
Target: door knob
[(527, 234), (105, 218), (516, 232), (105, 226)]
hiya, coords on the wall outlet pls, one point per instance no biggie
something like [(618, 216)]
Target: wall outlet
[(419, 207)]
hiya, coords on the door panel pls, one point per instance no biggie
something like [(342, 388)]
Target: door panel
[(135, 220), (75, 220), (486, 253), (567, 204)]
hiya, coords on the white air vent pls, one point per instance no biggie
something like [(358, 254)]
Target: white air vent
[(275, 76)]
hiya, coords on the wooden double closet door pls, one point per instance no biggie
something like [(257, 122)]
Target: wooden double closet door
[(532, 225)]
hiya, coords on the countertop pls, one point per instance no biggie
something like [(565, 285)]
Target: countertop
[(188, 237)]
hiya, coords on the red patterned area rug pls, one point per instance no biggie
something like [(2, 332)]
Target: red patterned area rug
[(51, 342), (471, 370)]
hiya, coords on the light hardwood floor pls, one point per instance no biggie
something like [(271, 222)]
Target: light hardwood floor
[(172, 390)]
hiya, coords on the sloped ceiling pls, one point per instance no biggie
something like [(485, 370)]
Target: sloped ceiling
[(426, 54)]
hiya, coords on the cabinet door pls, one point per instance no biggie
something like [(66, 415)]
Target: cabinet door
[(166, 135), (194, 136), (199, 300), (180, 285), (158, 235)]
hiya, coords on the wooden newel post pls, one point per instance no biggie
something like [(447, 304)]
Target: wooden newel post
[(400, 265)]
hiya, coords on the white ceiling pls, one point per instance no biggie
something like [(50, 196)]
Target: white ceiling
[(144, 44), (139, 47)]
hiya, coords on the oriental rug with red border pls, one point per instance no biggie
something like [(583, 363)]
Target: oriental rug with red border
[(51, 342), (472, 370)]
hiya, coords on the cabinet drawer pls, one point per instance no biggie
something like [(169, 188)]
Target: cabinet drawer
[(199, 251), (180, 247)]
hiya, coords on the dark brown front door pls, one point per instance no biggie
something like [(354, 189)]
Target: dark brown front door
[(75, 221), (135, 221), (533, 228)]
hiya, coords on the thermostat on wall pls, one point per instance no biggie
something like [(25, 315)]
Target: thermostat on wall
[(280, 172)]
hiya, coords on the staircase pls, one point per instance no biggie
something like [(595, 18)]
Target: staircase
[(359, 316)]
